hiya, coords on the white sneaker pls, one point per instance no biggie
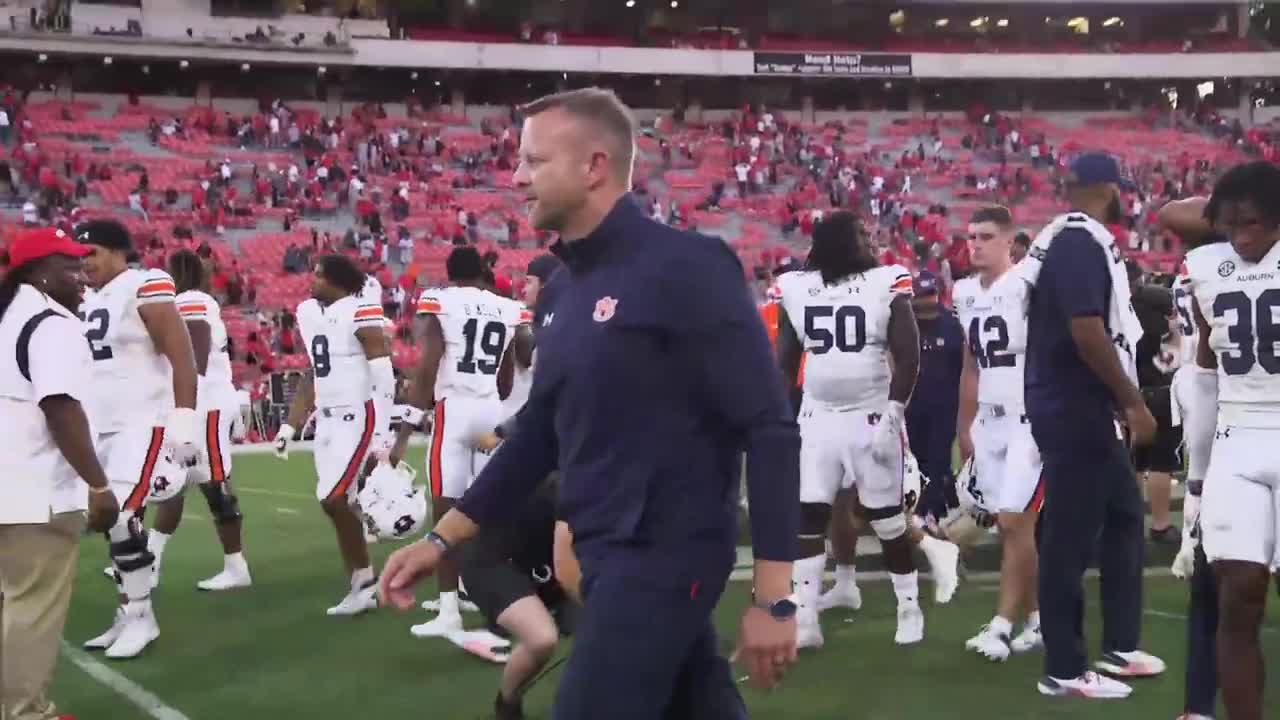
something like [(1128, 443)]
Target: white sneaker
[(228, 579), (140, 629), (464, 605), (944, 563), (483, 644), (910, 625), (1088, 685), (1136, 664), (1194, 716), (105, 640), (1029, 639), (110, 572), (356, 602), (442, 626), (808, 631), (841, 596), (990, 644)]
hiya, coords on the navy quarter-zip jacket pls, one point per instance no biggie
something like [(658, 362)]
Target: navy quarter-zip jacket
[(654, 375)]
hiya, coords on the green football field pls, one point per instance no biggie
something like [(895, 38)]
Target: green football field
[(270, 652)]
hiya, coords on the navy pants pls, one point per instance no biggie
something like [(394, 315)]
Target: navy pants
[(1092, 504), (1202, 635), (647, 651), (931, 433)]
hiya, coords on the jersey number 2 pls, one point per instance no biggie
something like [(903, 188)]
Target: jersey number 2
[(320, 356), (492, 339), (1255, 331), (99, 321), (991, 354), (839, 338)]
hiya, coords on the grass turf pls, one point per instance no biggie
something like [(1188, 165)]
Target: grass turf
[(271, 652)]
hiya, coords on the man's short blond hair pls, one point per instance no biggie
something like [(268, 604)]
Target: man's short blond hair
[(605, 111)]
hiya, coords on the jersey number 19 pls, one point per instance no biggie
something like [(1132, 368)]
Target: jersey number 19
[(491, 341)]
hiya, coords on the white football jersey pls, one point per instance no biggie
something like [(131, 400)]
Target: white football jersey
[(845, 331), (216, 389), (132, 382), (478, 327), (1189, 334), (995, 328), (340, 369), (371, 293), (1240, 301)]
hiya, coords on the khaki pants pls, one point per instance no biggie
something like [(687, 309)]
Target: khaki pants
[(37, 566)]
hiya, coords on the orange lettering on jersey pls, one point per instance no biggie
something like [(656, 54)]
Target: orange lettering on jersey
[(367, 313), (427, 306), (157, 287), (193, 309)]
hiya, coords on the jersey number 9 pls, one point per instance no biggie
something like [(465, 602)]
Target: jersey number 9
[(492, 340), (1254, 332), (320, 356), (839, 336)]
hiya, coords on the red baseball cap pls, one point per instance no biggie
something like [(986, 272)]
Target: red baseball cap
[(31, 245)]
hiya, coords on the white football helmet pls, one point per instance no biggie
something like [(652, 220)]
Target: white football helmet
[(964, 525), (167, 480), (392, 506), (913, 483)]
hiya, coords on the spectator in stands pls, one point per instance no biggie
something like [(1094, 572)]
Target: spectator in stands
[(30, 213), (405, 245), (137, 205)]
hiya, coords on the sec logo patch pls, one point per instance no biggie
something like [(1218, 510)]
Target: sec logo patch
[(1226, 268)]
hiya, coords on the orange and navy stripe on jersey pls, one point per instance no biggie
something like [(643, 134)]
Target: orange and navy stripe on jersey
[(902, 285), (157, 287), (429, 306), (367, 313), (193, 309)]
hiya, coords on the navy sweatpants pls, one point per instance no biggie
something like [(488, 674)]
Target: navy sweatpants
[(1092, 504), (931, 433), (646, 650), (1202, 635)]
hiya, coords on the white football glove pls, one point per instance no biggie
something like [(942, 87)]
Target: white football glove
[(283, 437), (1184, 563), (886, 443), (182, 430)]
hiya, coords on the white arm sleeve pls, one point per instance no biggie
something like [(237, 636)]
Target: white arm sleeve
[(384, 391), (1200, 420)]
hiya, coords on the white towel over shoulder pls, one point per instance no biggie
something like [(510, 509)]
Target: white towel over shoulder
[(1122, 321)]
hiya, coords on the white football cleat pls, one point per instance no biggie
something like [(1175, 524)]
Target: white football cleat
[(1089, 685), (483, 644), (910, 625), (110, 572), (1031, 638), (442, 626), (808, 631), (464, 605), (944, 563), (990, 644), (105, 640), (841, 596), (1135, 664), (228, 579), (140, 629), (356, 602)]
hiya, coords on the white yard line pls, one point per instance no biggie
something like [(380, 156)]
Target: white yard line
[(1183, 618), (287, 511), (139, 696), (274, 493)]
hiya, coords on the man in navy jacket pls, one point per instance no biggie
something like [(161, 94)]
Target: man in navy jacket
[(654, 376)]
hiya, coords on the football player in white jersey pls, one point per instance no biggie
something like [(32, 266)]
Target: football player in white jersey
[(142, 410), (465, 370), (351, 387), (858, 332), (992, 427), (1236, 286), (218, 406)]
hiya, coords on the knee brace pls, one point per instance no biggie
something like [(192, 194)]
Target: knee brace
[(814, 519), (128, 544), (888, 523), (223, 504)]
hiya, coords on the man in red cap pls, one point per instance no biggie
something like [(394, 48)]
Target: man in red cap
[(44, 367)]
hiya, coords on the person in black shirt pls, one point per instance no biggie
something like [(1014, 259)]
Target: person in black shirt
[(931, 416)]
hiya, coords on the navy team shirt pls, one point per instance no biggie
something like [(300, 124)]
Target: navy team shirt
[(941, 361), (654, 375), (1067, 404)]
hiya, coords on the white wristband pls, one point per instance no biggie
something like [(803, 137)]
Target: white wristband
[(412, 415)]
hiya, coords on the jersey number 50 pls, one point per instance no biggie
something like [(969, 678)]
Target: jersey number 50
[(839, 336), (1255, 331)]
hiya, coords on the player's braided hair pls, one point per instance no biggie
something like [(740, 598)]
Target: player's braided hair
[(187, 270), (342, 273), (13, 279), (840, 248), (1255, 182)]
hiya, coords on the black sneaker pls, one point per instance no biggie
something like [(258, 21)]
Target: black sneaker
[(1166, 536), (505, 710)]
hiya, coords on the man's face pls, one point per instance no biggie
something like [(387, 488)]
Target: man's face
[(556, 168), (926, 306), (989, 245), (532, 286), (62, 278), (1241, 222), (1017, 251), (102, 265), (320, 288)]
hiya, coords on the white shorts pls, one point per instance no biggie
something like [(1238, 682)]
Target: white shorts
[(1240, 506), (216, 464), (1007, 472), (835, 454), (344, 437), (133, 459), (452, 460)]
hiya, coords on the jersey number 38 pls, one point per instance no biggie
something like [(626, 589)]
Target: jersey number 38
[(1254, 331)]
